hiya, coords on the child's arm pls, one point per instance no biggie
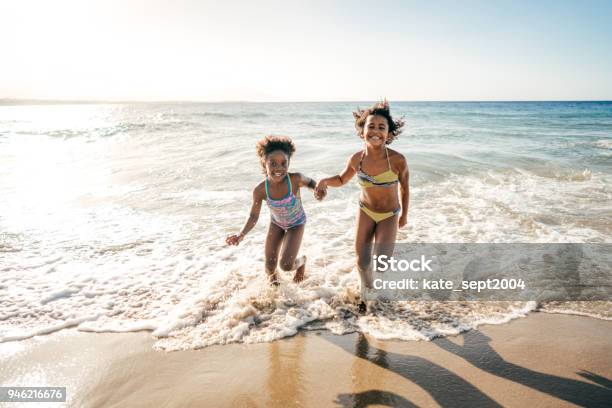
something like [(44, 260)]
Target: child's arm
[(405, 191), (258, 197), (339, 179), (306, 181)]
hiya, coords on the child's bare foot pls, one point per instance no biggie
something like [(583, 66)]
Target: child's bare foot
[(299, 272), (273, 278)]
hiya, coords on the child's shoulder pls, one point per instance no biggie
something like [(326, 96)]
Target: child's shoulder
[(260, 189), (357, 155), (355, 158), (396, 156), (296, 181), (398, 161), (295, 177)]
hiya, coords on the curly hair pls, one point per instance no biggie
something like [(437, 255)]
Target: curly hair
[(380, 109), (270, 144)]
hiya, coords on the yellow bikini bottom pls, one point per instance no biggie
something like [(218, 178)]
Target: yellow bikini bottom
[(377, 216)]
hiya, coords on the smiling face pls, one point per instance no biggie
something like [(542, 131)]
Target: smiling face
[(277, 164), (375, 130)]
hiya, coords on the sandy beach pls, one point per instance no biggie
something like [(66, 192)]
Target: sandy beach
[(160, 160), (544, 360)]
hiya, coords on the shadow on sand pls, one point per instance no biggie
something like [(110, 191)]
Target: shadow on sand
[(477, 351), (450, 390)]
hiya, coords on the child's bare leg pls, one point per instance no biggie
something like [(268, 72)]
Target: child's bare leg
[(366, 228), (385, 236), (272, 247), (291, 247)]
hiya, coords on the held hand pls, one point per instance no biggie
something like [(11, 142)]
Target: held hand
[(234, 239), (320, 190), (320, 195), (403, 220)]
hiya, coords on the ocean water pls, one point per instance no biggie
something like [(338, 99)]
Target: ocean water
[(113, 216)]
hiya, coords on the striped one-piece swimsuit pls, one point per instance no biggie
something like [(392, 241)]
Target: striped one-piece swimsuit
[(286, 212)]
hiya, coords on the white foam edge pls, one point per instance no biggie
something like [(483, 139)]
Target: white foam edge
[(574, 313), (427, 335), (26, 334)]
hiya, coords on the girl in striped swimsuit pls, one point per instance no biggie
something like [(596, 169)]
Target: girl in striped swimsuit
[(281, 192)]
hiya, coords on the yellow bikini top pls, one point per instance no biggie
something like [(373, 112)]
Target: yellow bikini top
[(385, 179)]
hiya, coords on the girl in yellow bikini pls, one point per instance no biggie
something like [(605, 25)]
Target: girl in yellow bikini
[(379, 170)]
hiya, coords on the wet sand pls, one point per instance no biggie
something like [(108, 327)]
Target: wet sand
[(544, 360)]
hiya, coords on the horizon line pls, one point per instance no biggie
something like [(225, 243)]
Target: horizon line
[(28, 101)]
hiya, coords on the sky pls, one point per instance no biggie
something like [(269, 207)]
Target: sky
[(200, 50)]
